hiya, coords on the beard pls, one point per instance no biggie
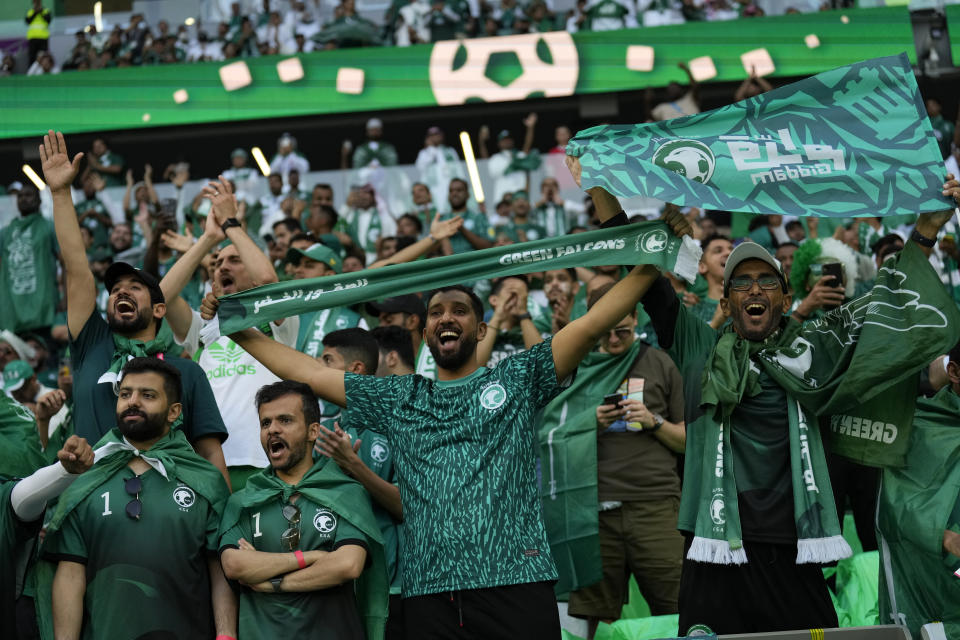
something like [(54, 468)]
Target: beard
[(296, 456), (148, 427), (455, 360), (752, 332), (133, 325)]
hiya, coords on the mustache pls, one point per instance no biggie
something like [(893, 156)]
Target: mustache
[(133, 412)]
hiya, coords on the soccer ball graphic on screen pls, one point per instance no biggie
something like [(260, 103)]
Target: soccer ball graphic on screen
[(690, 158), (545, 64)]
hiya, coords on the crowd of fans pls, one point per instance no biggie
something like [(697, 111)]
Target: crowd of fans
[(300, 26), (228, 238)]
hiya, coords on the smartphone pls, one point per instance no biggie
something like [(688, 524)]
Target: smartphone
[(612, 398), (834, 269)]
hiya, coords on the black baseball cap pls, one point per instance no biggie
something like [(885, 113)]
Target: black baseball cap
[(409, 303), (120, 269)]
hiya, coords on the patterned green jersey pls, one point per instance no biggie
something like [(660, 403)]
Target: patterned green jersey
[(464, 454), (314, 325), (327, 613), (146, 576)]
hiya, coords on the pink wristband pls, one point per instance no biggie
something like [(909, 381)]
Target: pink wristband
[(300, 561), (225, 637)]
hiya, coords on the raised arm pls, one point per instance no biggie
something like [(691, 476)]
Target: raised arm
[(59, 172), (179, 314), (258, 265), (929, 224), (439, 231), (287, 363), (530, 122)]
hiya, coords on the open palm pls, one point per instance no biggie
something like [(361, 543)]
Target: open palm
[(58, 170)]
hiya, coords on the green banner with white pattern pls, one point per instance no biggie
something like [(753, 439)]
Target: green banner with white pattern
[(854, 141)]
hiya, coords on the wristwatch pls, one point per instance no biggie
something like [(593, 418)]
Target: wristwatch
[(522, 316), (657, 423), (229, 223), (275, 581)]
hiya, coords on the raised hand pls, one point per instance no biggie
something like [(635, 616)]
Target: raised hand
[(49, 404), (209, 306), (441, 229), (677, 222), (58, 170), (175, 241), (220, 195), (76, 455)]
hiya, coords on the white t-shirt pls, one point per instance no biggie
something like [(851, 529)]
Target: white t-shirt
[(235, 377), (685, 106)]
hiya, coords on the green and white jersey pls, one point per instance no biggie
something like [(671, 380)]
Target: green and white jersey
[(145, 577), (245, 178), (366, 226), (464, 451), (111, 159), (328, 613), (28, 273), (314, 325), (376, 452), (426, 366), (553, 218), (530, 232), (100, 232), (374, 151), (476, 223)]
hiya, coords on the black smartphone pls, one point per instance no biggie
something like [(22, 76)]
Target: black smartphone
[(612, 398), (834, 269)]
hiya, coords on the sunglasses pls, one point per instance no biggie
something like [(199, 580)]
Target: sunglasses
[(290, 539), (622, 333), (743, 283), (134, 486)]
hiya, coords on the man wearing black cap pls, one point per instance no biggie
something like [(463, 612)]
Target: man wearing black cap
[(134, 326), (410, 313)]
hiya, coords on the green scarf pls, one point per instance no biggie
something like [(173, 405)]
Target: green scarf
[(124, 349), (567, 434), (328, 485), (529, 162), (728, 377), (849, 368), (179, 461), (642, 243), (20, 453)]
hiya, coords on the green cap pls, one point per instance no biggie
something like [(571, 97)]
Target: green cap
[(15, 374), (238, 152), (521, 194), (318, 252), (504, 133)]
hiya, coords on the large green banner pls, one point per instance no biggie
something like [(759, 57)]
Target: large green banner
[(447, 73), (854, 141)]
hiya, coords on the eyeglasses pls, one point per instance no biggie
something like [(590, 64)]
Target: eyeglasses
[(290, 539), (134, 486), (745, 283), (622, 333)]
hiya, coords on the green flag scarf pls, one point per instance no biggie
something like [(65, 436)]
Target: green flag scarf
[(641, 243), (728, 377), (567, 435), (179, 461), (854, 141), (20, 453), (124, 349), (918, 583), (326, 484), (843, 364)]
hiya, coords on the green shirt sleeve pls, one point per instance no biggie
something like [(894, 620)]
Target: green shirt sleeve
[(369, 400), (67, 543), (349, 534), (534, 371)]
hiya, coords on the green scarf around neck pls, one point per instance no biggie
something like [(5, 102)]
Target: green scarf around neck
[(326, 484), (125, 348), (730, 374)]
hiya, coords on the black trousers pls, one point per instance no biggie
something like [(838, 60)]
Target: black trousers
[(771, 592), (521, 611)]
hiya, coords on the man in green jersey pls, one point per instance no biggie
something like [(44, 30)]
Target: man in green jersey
[(299, 535), (135, 538), (475, 552), (134, 327)]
